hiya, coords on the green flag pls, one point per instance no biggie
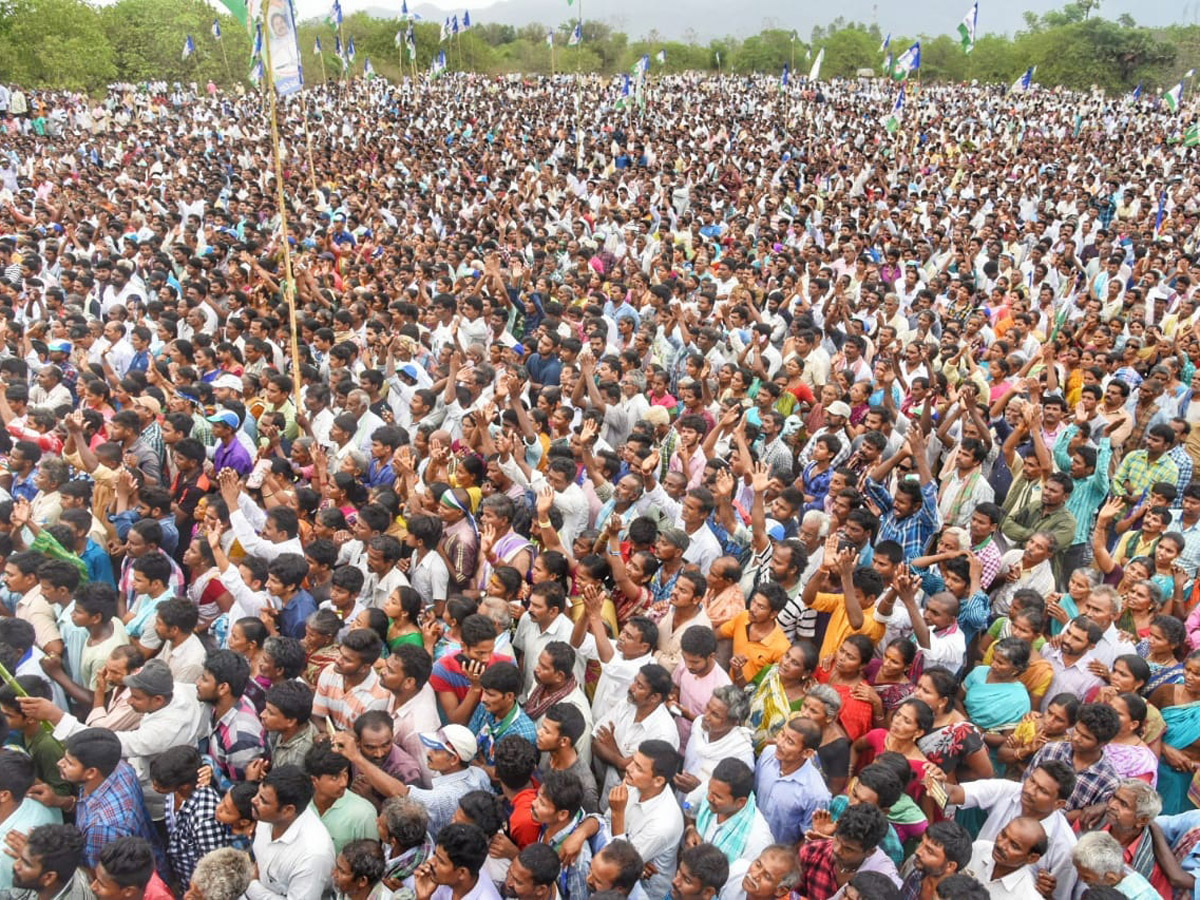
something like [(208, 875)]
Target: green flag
[(238, 10), (1191, 137)]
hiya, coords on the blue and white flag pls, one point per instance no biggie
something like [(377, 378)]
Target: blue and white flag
[(317, 46), (787, 75), (411, 41), (893, 121), (454, 24), (189, 47), (1025, 82), (216, 29), (404, 9), (887, 42), (1171, 98), (257, 72), (908, 62), (399, 39), (284, 43), (550, 38), (368, 69), (335, 15), (466, 19), (257, 48), (445, 30), (576, 35), (350, 54), (718, 59), (661, 57)]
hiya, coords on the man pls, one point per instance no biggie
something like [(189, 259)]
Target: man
[(1031, 567), (703, 871), (911, 517), (642, 810), (1072, 660), (125, 871), (455, 677), (413, 706), (558, 682), (453, 871), (543, 622), (350, 687), (1007, 866), (1042, 796), (771, 876), (1099, 860), (729, 816), (1142, 468), (620, 660), (827, 866), (450, 751), (230, 452), (1096, 725), (1047, 515), (788, 785), (50, 865), (236, 736), (642, 716), (1127, 817), (373, 731), (19, 811), (171, 715), (293, 851), (280, 528), (966, 487), (945, 850), (346, 815), (1103, 606), (617, 867), (498, 713), (533, 875), (175, 624)]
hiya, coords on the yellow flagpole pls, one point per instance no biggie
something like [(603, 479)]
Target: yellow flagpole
[(289, 286)]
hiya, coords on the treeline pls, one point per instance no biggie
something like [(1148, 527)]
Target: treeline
[(74, 45)]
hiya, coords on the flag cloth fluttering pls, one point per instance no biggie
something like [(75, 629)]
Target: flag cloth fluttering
[(257, 48), (189, 47), (787, 75), (454, 24), (317, 45), (576, 35), (1173, 97), (718, 59), (908, 62), (411, 41), (334, 19), (466, 19), (399, 39), (966, 28), (1191, 137), (814, 74), (887, 42), (893, 121), (1025, 82), (1137, 92), (623, 100), (888, 63), (350, 54), (661, 57), (368, 69), (256, 72), (216, 29), (550, 38)]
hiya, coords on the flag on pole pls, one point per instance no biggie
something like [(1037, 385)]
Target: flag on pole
[(888, 64), (439, 64), (623, 100), (808, 54), (412, 43), (216, 29), (908, 62), (1191, 137), (317, 46), (966, 28), (1162, 211), (1173, 97), (445, 30), (787, 76), (334, 19), (1137, 92), (550, 38), (1189, 73), (368, 69), (576, 35), (893, 121), (1025, 82), (718, 59), (337, 48), (257, 48), (404, 9), (350, 54), (189, 47), (454, 25), (399, 39), (887, 42), (237, 8), (661, 57), (814, 74), (257, 72), (466, 19)]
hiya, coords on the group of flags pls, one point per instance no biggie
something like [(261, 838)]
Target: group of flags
[(450, 28)]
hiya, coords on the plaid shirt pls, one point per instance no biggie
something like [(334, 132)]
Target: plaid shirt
[(913, 531), (236, 739), (115, 809), (1137, 469), (818, 879), (1095, 784), (195, 831), (1186, 467)]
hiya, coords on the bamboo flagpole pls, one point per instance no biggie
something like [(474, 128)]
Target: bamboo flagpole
[(289, 285)]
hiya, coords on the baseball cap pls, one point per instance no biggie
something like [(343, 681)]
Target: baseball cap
[(224, 417), (59, 346), (408, 369), (839, 408), (154, 678), (148, 403), (456, 739), (230, 381)]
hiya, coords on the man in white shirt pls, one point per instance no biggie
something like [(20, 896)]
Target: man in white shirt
[(641, 716), (413, 707), (1006, 866), (644, 812), (294, 852), (453, 872), (544, 622)]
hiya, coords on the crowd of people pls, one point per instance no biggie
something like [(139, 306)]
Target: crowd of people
[(713, 493)]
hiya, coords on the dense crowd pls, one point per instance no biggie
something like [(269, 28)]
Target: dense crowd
[(711, 492)]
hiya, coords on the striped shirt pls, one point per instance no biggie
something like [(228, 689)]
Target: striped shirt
[(342, 707)]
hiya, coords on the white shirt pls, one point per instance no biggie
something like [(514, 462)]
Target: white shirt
[(531, 640), (616, 676), (297, 865), (703, 549), (1018, 885), (654, 827), (484, 890), (418, 715), (254, 545), (630, 733), (430, 577), (1002, 799), (572, 502)]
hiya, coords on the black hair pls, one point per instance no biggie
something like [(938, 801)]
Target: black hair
[(129, 861), (176, 767), (293, 699), (466, 846), (516, 760), (95, 748)]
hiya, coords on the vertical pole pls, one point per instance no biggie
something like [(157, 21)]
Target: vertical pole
[(225, 56), (289, 286), (579, 93)]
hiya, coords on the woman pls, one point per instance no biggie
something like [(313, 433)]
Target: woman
[(912, 721), (1164, 649), (891, 680), (1036, 730), (1127, 752), (211, 597), (403, 609), (955, 745), (861, 706), (686, 609), (994, 696), (722, 734), (1142, 600), (1180, 706), (1130, 674), (781, 691), (822, 705)]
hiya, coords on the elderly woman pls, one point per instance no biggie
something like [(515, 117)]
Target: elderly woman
[(823, 705), (722, 733), (1100, 861), (221, 875)]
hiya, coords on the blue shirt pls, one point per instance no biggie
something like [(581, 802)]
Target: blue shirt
[(378, 475), (787, 802), (1175, 828), (293, 616), (99, 564)]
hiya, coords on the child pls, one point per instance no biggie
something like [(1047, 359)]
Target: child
[(320, 642), (344, 595), (236, 812), (192, 825)]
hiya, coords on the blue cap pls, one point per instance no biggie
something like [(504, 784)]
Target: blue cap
[(225, 417)]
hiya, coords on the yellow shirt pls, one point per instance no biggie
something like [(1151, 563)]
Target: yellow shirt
[(759, 654), (839, 627)]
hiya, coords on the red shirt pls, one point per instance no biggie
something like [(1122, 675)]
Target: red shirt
[(521, 827)]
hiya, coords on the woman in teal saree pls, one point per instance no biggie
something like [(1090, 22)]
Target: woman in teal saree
[(994, 697), (1180, 705)]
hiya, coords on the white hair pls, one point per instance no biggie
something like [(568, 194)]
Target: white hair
[(223, 874), (818, 517), (1147, 803), (1099, 853)]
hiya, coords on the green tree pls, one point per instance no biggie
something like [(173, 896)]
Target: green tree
[(56, 44)]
